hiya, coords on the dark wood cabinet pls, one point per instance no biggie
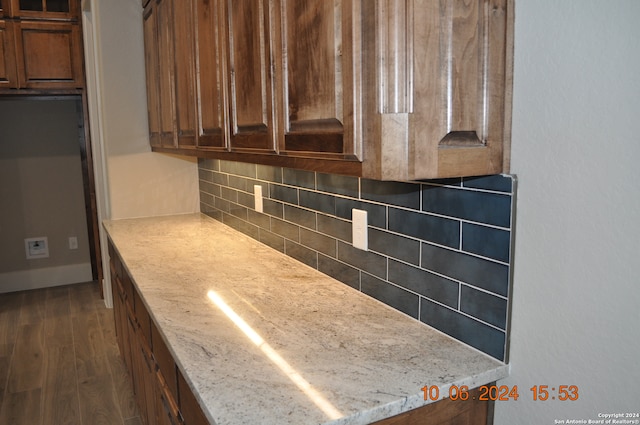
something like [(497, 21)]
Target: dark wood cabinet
[(41, 43), (387, 90), (162, 394)]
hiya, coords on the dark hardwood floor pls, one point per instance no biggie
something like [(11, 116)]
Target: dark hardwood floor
[(59, 361)]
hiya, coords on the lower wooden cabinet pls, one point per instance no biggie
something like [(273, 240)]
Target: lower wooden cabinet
[(162, 394), (164, 397)]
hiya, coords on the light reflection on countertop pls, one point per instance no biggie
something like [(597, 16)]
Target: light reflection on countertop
[(263, 338)]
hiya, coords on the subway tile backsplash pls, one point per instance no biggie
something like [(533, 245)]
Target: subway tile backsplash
[(439, 251)]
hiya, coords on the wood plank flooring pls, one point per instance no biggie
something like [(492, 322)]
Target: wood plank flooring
[(59, 360)]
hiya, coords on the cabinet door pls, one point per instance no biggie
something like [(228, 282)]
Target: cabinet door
[(7, 53), (319, 66), (49, 55), (166, 73), (44, 9), (249, 70), (210, 75), (152, 63), (192, 413), (182, 30)]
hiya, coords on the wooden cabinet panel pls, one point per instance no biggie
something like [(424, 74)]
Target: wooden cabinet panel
[(211, 78), (249, 70), (43, 9), (166, 100), (48, 55), (7, 53), (318, 61), (192, 413), (152, 63), (184, 68), (164, 359)]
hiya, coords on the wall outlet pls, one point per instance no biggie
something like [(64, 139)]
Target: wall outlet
[(36, 247), (73, 242), (359, 229), (257, 195)]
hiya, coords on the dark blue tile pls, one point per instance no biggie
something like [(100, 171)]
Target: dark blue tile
[(220, 178), (241, 226), (318, 201), (269, 173), (319, 242), (299, 178), (273, 208), (395, 193), (483, 337), (283, 193), (484, 306), (238, 168), (210, 188), (259, 219), (391, 295), (395, 246), (229, 194), (209, 164), (475, 271), (376, 214), (486, 241), (437, 288), (442, 231), (272, 240), (483, 207), (301, 253), (300, 216), (364, 260), (285, 229), (339, 229), (342, 185), (497, 182), (339, 271)]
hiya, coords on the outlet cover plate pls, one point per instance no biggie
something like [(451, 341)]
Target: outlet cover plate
[(36, 247)]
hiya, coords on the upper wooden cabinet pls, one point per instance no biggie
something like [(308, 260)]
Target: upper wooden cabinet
[(41, 9), (41, 45), (400, 90)]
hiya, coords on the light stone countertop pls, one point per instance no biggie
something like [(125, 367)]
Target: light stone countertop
[(264, 339)]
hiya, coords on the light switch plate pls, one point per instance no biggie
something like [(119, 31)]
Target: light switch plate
[(359, 229)]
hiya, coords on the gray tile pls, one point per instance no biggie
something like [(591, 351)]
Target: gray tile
[(391, 295), (300, 216), (475, 271), (283, 193), (301, 253), (273, 208), (432, 286), (339, 229), (486, 241), (342, 185), (240, 183), (368, 261), (259, 219), (241, 225), (339, 271), (484, 306), (220, 178), (439, 230), (210, 188), (394, 193), (246, 199), (229, 194), (319, 242), (238, 168), (376, 213), (204, 174), (498, 182), (482, 207), (269, 173), (285, 229), (463, 328), (318, 201), (272, 240), (395, 246), (300, 178)]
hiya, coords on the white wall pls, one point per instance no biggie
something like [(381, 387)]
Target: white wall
[(131, 181), (576, 151), (141, 183)]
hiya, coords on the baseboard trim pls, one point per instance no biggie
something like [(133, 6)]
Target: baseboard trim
[(45, 277)]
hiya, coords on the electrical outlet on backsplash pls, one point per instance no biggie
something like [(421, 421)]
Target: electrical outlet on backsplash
[(439, 250)]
